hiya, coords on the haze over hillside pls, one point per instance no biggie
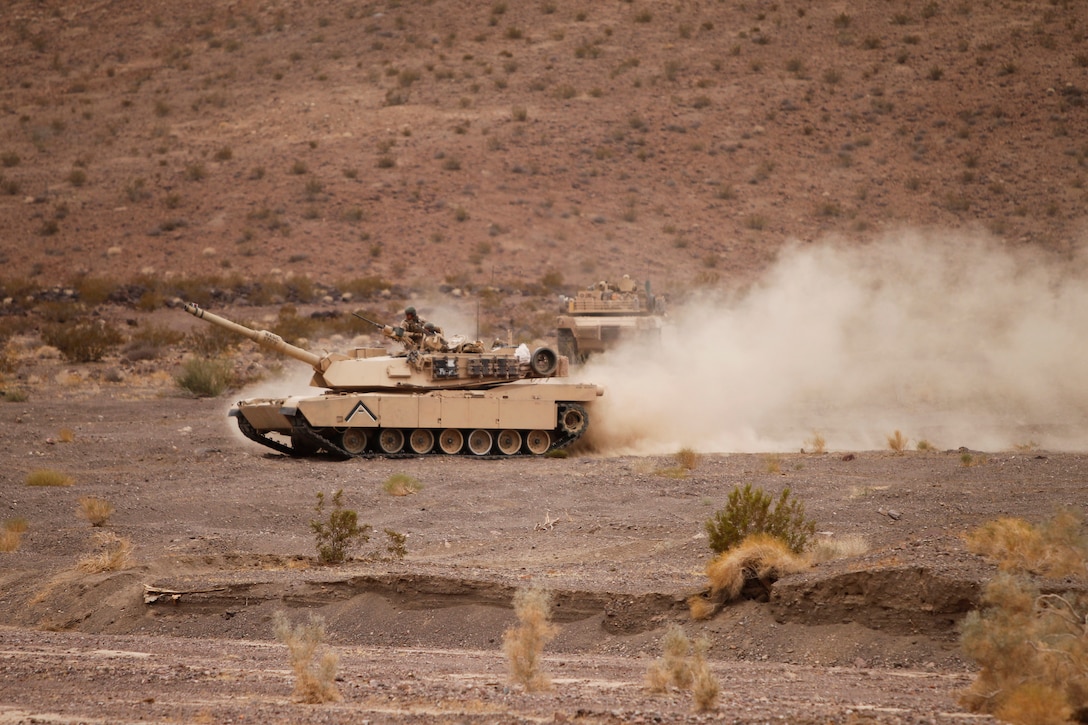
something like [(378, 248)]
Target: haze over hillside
[(478, 143)]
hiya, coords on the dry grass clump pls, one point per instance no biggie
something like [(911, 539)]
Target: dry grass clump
[(817, 444), (11, 534), (66, 435), (314, 683), (96, 510), (1031, 647), (844, 547), (683, 664), (114, 554), (760, 557), (48, 477), (687, 459), (1056, 548), (897, 442), (524, 644), (401, 484)]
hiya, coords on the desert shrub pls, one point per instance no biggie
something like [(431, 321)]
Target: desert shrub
[(897, 441), (1030, 646), (94, 290), (66, 435), (687, 459), (817, 444), (11, 534), (401, 484), (1056, 548), (524, 644), (673, 667), (148, 342), (335, 535), (396, 545), (82, 342), (749, 512), (48, 477), (97, 511), (684, 665), (314, 683), (206, 378), (211, 341), (114, 553)]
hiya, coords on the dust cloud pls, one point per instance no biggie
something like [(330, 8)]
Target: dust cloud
[(952, 339)]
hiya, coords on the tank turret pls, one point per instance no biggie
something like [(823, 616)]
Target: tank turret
[(432, 396), (417, 366)]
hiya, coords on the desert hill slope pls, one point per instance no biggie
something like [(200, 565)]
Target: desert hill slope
[(476, 143)]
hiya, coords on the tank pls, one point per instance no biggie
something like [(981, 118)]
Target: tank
[(605, 314), (430, 397)]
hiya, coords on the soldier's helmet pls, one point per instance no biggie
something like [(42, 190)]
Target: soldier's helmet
[(429, 327), (410, 312)]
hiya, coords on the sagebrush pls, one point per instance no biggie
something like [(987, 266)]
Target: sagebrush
[(751, 511), (338, 533)]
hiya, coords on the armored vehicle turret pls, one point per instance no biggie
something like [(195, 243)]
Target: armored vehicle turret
[(601, 316), (431, 396)]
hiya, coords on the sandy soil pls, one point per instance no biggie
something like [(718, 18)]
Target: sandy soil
[(616, 539)]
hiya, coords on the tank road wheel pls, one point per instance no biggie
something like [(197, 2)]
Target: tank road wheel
[(573, 420), (450, 441), (479, 442), (544, 361), (421, 441), (353, 440), (508, 442), (537, 442), (391, 440)]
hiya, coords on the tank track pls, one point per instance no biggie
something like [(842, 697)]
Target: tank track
[(313, 440)]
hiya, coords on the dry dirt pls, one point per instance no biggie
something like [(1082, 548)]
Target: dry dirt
[(619, 543)]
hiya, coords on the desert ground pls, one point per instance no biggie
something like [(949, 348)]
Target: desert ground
[(220, 532), (867, 217)]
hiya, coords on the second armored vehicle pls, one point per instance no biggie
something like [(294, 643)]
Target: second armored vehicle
[(605, 314), (448, 399)]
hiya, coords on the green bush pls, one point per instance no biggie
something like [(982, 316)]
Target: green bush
[(82, 342), (336, 534), (750, 511), (206, 377)]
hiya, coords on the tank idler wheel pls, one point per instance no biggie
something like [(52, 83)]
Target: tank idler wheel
[(479, 442), (537, 442), (391, 440), (508, 442), (544, 361), (421, 441), (353, 440), (450, 441), (573, 420)]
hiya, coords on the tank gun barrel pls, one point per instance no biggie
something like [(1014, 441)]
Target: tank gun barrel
[(264, 338)]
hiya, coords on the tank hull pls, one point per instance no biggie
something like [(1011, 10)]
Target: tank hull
[(524, 417)]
